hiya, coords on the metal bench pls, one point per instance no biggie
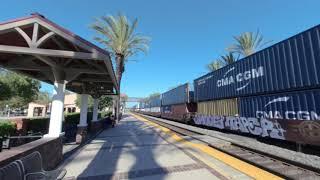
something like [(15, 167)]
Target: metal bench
[(29, 168), (32, 168), (11, 171)]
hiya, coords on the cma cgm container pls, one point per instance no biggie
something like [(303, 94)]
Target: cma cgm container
[(292, 116), (155, 106), (291, 64), (177, 104), (295, 116)]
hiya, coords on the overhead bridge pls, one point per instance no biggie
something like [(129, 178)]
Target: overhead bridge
[(134, 99)]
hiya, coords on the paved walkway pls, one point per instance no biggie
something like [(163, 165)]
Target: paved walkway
[(137, 150)]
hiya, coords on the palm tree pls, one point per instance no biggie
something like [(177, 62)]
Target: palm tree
[(247, 43), (214, 65), (119, 37), (228, 59)]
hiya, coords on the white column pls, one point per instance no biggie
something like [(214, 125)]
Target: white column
[(83, 110), (57, 114), (113, 106), (118, 109), (95, 110), (30, 110), (44, 110)]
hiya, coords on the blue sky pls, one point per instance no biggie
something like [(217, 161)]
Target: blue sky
[(186, 34)]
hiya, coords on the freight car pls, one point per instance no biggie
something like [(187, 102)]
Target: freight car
[(155, 106), (274, 93), (177, 104)]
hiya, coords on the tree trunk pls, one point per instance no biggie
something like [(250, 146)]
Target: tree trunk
[(120, 70)]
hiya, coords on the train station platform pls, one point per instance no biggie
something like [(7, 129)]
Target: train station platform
[(139, 149)]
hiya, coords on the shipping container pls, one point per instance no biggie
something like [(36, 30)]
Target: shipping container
[(155, 111), (225, 107), (292, 64), (178, 95), (297, 105), (179, 112), (291, 116), (141, 105), (155, 101)]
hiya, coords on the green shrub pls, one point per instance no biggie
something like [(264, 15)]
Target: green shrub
[(36, 125), (106, 114), (72, 118), (42, 124), (7, 128)]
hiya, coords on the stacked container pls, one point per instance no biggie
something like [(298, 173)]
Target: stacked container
[(155, 106), (272, 93), (177, 104)]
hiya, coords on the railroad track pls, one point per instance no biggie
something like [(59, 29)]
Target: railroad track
[(276, 165)]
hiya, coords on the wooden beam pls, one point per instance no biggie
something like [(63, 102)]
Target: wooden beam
[(60, 45), (50, 52), (96, 80), (72, 75), (44, 38), (48, 61), (4, 28), (86, 71), (24, 35), (35, 34), (27, 68), (67, 62), (94, 65)]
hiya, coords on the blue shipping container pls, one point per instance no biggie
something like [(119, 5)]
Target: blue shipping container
[(288, 65), (178, 95), (300, 105), (155, 101)]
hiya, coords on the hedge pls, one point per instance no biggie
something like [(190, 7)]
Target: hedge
[(42, 124), (7, 128)]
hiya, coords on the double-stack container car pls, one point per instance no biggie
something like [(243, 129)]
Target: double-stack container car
[(177, 103), (272, 93), (155, 106)]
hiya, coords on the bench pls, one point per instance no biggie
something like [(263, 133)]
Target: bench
[(30, 168)]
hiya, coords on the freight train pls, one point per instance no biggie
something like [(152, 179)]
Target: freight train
[(274, 93)]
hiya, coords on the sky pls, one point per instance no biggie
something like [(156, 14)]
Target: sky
[(186, 34)]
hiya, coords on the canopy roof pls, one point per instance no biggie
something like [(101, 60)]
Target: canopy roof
[(41, 49)]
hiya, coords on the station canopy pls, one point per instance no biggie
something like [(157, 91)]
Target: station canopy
[(38, 48)]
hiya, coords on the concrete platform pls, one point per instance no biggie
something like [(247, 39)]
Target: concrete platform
[(137, 150)]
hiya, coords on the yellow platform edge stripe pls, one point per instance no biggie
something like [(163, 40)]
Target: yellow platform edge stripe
[(242, 166)]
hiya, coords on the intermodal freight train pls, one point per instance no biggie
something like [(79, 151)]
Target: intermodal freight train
[(273, 93)]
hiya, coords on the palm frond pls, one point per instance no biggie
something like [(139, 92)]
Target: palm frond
[(214, 65), (118, 34), (228, 59), (247, 43)]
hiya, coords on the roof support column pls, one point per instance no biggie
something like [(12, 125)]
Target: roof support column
[(82, 126), (96, 125), (95, 109), (44, 111), (30, 110), (57, 114)]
